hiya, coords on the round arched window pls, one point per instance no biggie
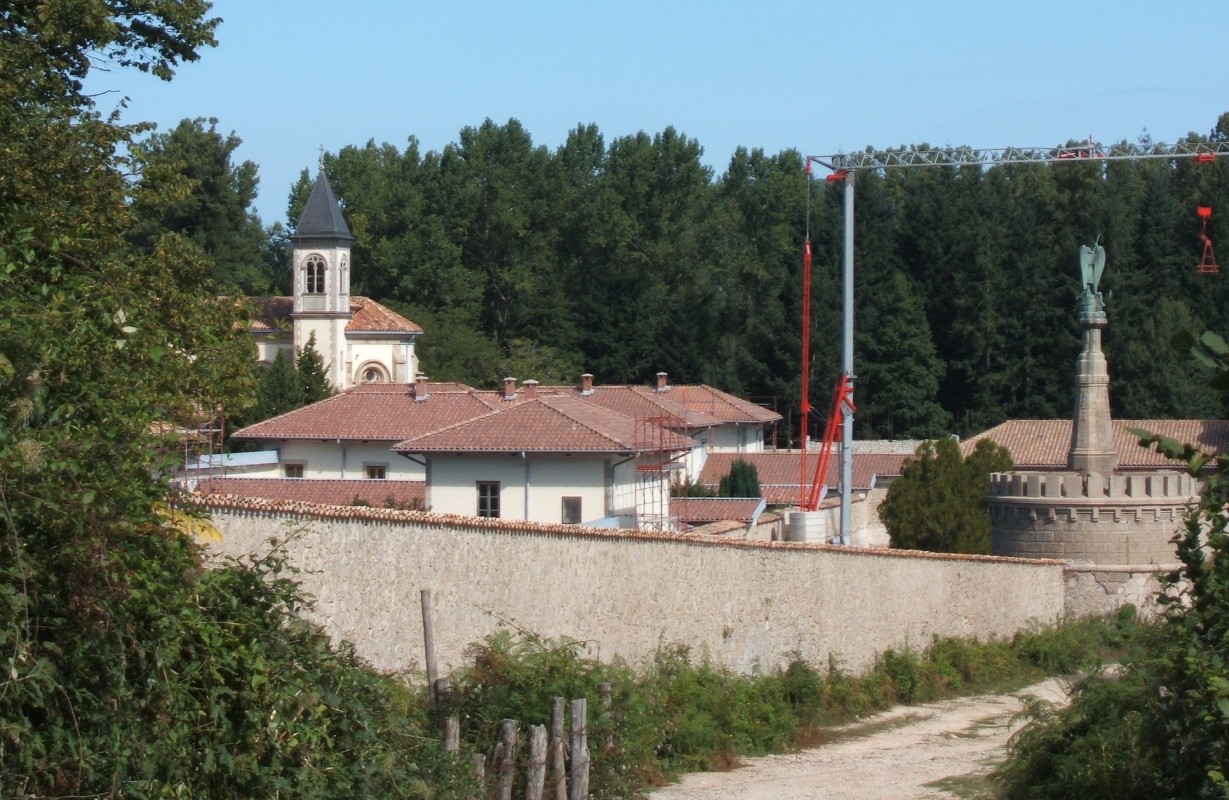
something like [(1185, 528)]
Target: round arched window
[(313, 268), (372, 373)]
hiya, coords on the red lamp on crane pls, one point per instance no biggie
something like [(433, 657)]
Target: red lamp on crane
[(1207, 265)]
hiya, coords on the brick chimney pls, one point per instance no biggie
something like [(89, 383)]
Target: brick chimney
[(420, 387), (586, 383), (509, 388), (663, 382), (531, 388)]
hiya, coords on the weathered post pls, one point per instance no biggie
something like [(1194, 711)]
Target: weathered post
[(558, 764), (479, 762), (536, 779), (580, 751), (604, 691), (428, 642), (452, 735), (506, 759)]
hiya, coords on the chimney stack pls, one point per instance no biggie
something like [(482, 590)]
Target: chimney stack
[(420, 387), (586, 383), (663, 384), (531, 388), (509, 388)]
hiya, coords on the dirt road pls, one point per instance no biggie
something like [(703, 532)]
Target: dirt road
[(908, 752)]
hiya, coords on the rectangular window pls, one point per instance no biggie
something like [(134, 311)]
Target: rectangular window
[(488, 498), (376, 472), (293, 470), (571, 511)]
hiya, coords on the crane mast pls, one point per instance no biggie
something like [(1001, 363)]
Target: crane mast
[(845, 165)]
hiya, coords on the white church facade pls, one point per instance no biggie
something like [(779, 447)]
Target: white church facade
[(360, 340)]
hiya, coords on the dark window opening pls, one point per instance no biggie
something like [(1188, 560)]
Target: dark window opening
[(488, 499)]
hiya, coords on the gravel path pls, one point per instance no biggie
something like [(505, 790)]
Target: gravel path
[(908, 747)]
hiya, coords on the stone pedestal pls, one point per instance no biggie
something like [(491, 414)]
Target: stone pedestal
[(1092, 434)]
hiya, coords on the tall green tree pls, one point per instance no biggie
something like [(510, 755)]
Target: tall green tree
[(309, 370), (898, 380), (188, 184), (939, 501)]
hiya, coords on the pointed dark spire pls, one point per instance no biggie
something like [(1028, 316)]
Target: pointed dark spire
[(321, 217)]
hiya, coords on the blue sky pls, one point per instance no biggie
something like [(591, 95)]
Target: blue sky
[(820, 77)]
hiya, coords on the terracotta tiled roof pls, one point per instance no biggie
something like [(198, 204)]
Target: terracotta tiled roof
[(373, 412), (779, 471), (1041, 444), (549, 423), (370, 316), (698, 405), (405, 494), (694, 510), (638, 402), (272, 314), (722, 405)]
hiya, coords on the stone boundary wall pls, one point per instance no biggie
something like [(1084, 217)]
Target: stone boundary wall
[(626, 594), (1104, 588)]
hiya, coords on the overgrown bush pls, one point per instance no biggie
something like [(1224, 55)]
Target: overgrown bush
[(161, 679), (685, 713)]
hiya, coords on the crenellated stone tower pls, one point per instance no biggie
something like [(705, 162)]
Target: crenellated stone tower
[(1114, 528)]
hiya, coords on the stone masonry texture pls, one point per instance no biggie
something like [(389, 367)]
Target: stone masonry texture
[(626, 595)]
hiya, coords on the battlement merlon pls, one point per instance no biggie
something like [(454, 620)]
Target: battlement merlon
[(1074, 488)]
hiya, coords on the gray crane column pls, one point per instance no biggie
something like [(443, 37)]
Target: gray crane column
[(847, 367)]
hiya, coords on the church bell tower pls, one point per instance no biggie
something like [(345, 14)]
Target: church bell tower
[(320, 267)]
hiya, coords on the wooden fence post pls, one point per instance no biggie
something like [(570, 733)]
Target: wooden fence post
[(580, 751), (604, 691), (536, 779), (558, 765), (479, 762), (506, 760), (452, 735), (428, 641)]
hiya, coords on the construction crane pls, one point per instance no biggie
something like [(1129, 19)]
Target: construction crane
[(843, 167)]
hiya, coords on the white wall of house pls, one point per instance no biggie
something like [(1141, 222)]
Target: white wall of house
[(734, 437), (452, 486), (396, 358), (267, 348), (326, 460)]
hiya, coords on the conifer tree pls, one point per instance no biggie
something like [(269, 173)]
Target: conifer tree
[(743, 481), (939, 501), (278, 390), (312, 379)]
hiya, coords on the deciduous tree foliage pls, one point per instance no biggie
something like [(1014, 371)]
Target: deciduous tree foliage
[(126, 670), (188, 185)]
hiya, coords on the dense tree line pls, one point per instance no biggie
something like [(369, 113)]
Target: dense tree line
[(630, 256)]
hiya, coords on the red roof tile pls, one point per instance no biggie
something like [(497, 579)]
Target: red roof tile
[(404, 494), (722, 405), (273, 314), (551, 424), (638, 402), (693, 510), (1044, 444), (780, 471), (373, 412)]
